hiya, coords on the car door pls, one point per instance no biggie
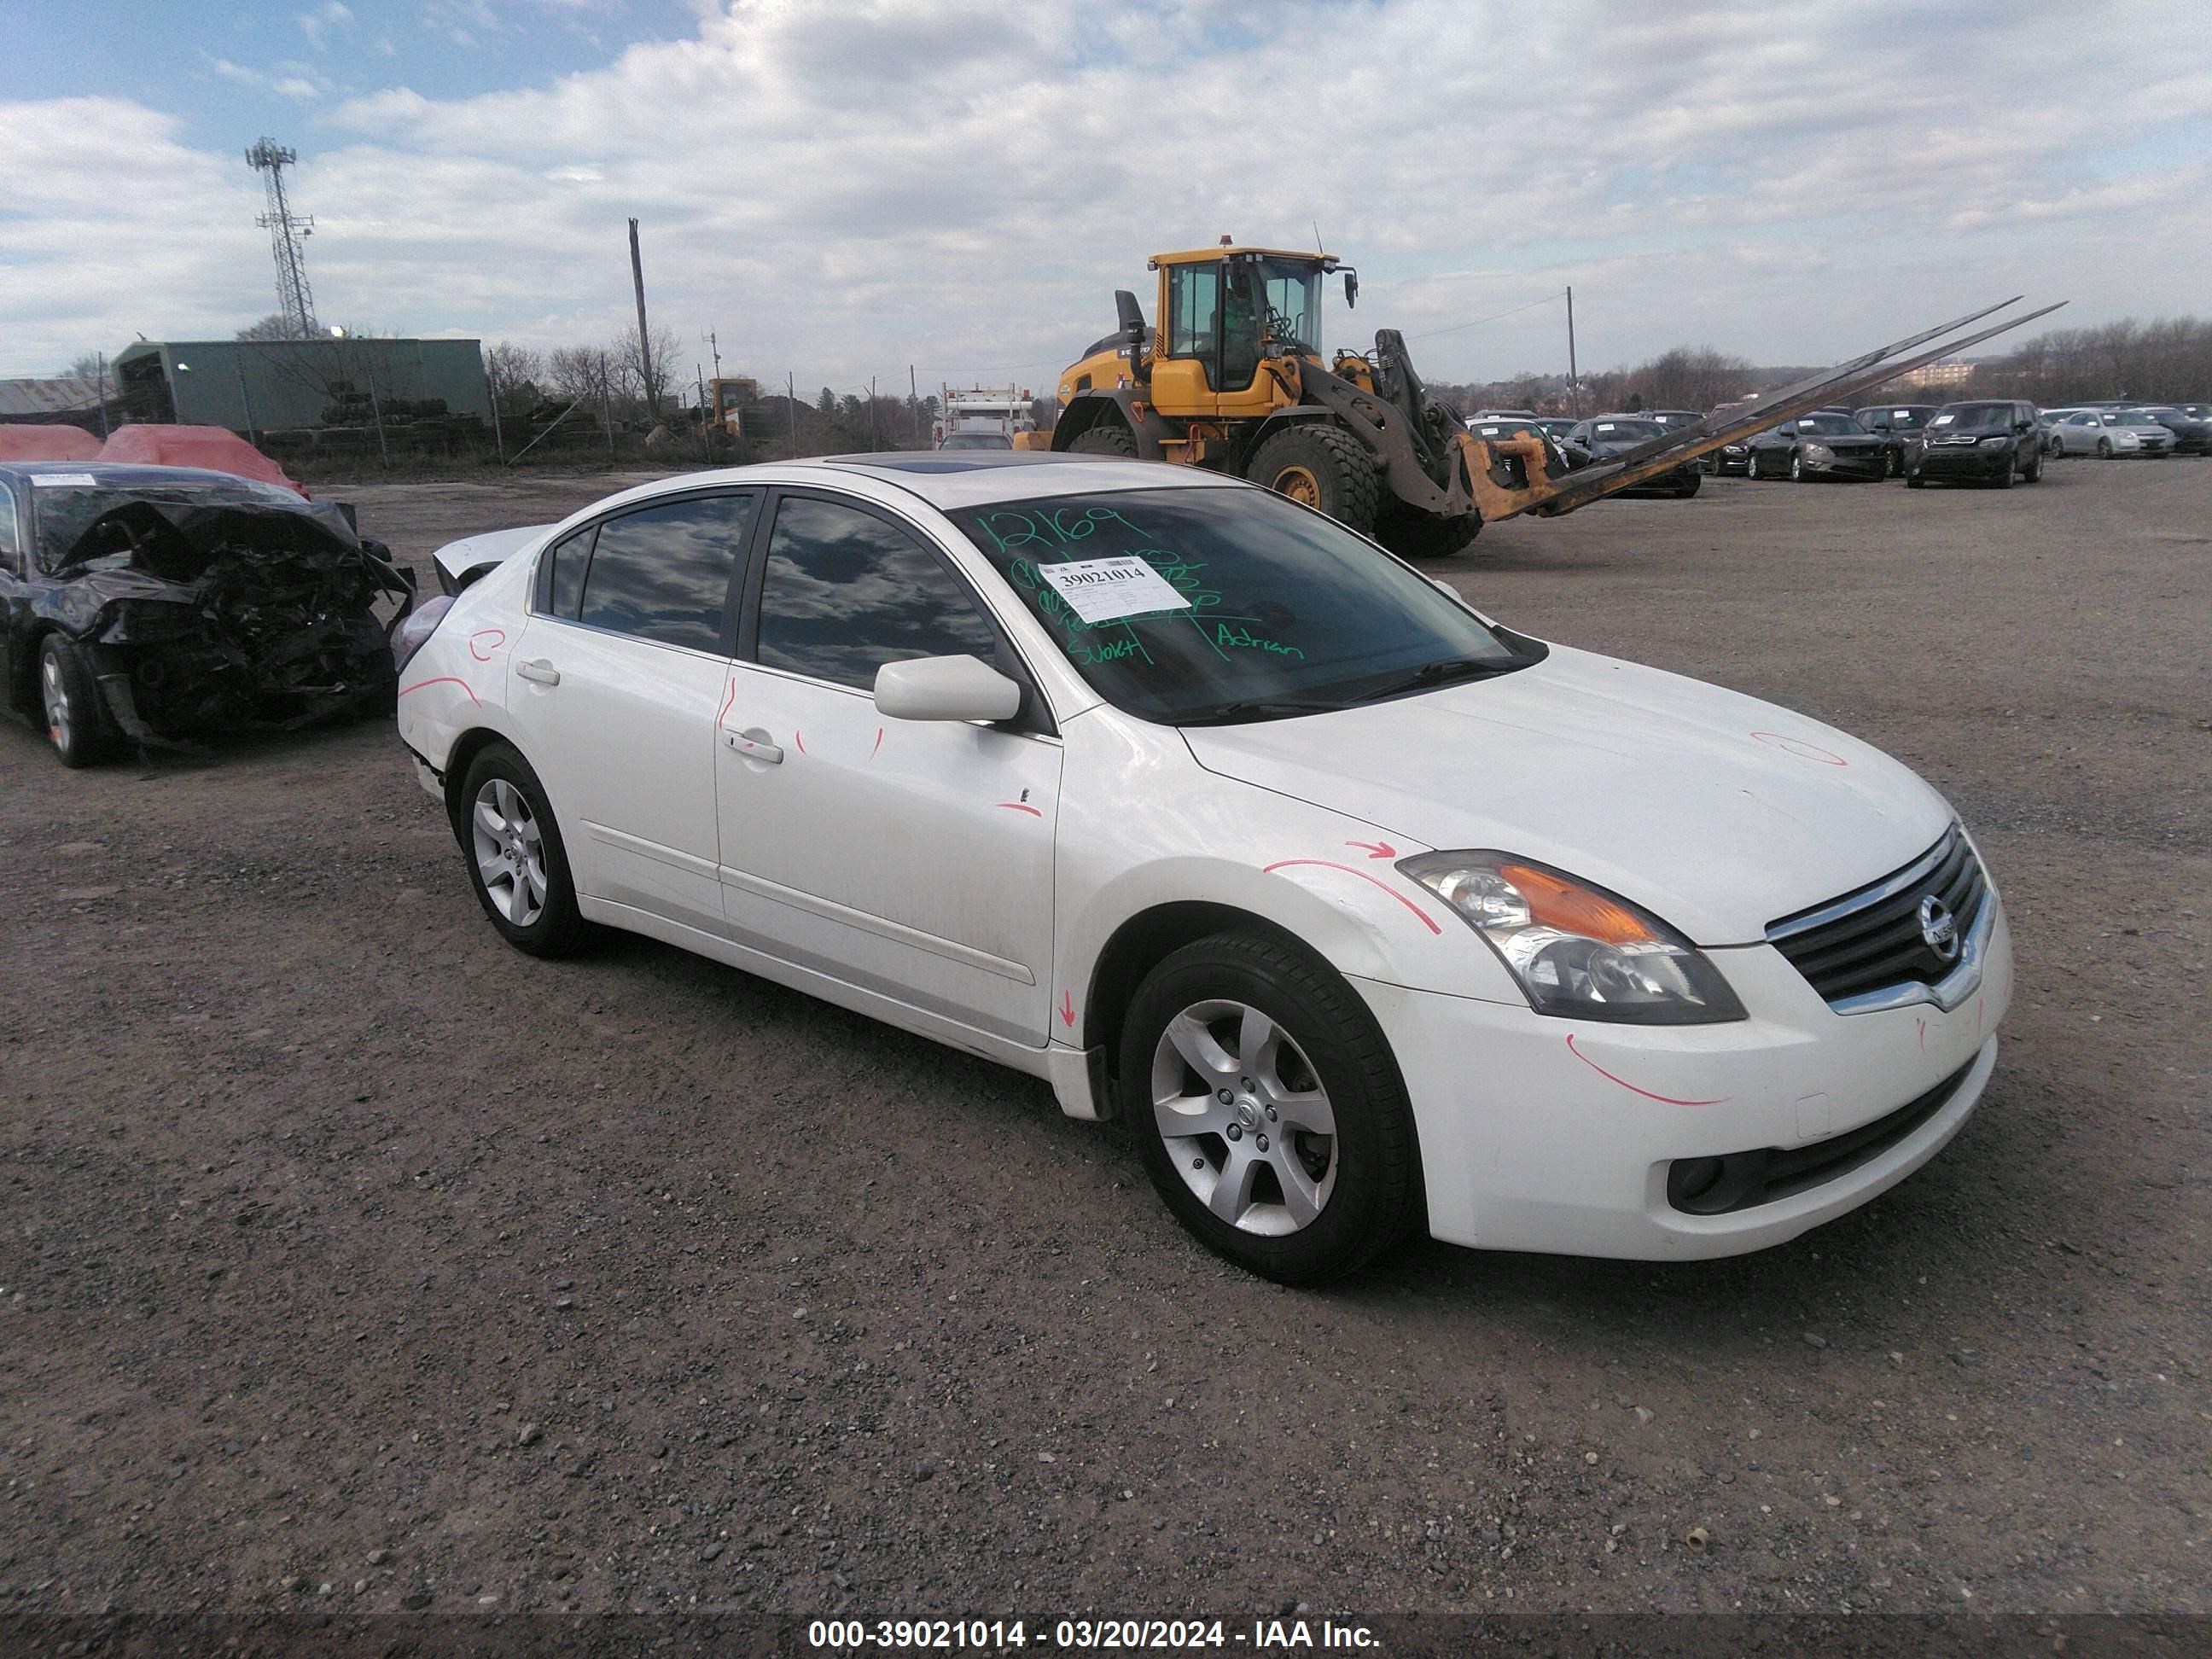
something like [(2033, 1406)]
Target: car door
[(613, 688), (910, 858)]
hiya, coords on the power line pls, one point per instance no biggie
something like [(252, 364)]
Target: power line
[(1494, 316)]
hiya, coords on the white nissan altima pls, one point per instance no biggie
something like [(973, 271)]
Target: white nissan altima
[(1364, 912)]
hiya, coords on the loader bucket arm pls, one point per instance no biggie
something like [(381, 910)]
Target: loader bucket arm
[(1548, 497)]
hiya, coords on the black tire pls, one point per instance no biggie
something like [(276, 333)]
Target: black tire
[(1914, 481), (1689, 486), (79, 737), (1326, 469), (1797, 466), (558, 929), (1412, 534), (2034, 473), (1374, 1195), (2004, 479), (1105, 438), (2104, 449), (1751, 467)]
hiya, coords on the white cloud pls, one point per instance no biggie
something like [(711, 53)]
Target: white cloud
[(295, 81), (843, 189), (325, 23)]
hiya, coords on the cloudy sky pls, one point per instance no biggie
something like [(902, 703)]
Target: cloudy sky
[(843, 188)]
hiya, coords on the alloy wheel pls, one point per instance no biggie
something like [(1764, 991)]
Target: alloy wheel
[(1245, 1118), (1299, 483), (510, 851), (54, 694)]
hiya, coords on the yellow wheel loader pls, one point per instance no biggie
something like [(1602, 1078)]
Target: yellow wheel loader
[(1233, 379)]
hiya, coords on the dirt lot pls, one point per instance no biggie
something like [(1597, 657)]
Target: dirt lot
[(351, 1261)]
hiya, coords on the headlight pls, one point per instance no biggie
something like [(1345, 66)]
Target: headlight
[(1577, 950), (415, 629), (1991, 443), (1818, 453)]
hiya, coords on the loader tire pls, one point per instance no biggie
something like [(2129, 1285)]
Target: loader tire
[(1412, 534), (1322, 468), (1105, 438)]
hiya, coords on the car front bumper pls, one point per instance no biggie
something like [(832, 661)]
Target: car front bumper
[(1874, 464), (1964, 463), (1559, 1135)]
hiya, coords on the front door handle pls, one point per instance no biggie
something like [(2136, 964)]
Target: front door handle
[(753, 745), (540, 670)]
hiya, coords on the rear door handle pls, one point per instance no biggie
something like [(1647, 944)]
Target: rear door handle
[(540, 670), (753, 745)]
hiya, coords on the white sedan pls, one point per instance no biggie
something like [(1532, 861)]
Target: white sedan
[(1366, 913)]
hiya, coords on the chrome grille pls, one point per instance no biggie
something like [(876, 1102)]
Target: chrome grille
[(1870, 940)]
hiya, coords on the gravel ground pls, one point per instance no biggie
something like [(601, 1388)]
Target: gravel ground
[(353, 1261)]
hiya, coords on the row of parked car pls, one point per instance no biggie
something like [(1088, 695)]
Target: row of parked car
[(1991, 440)]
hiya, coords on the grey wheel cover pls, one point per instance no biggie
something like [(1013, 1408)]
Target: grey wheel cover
[(54, 695), (1245, 1118), (510, 851)]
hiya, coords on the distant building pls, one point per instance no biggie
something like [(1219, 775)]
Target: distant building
[(259, 386), (54, 401), (1956, 372)]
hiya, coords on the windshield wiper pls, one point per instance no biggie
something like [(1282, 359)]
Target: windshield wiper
[(1442, 674), (1259, 709)]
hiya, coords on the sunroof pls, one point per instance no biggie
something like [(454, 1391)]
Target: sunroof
[(972, 461)]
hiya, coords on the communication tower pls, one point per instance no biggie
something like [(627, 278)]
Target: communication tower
[(287, 230)]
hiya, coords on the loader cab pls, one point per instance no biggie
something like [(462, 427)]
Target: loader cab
[(1223, 311)]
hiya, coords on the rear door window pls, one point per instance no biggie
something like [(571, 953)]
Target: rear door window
[(663, 573)]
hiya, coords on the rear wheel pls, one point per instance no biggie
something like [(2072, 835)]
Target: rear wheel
[(69, 700), (1322, 468), (1105, 438), (1264, 1103), (515, 859), (1412, 534)]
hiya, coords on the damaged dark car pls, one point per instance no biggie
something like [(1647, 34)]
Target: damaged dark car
[(161, 606)]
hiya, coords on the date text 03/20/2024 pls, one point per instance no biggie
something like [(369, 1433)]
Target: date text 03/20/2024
[(1262, 1635)]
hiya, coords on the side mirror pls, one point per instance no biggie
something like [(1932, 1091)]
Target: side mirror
[(945, 689), (1350, 290), (1130, 316)]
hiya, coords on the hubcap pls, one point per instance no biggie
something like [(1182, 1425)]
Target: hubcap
[(1246, 1121), (55, 697), (510, 852), (1300, 484)]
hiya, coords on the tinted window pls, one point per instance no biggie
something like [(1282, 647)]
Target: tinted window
[(8, 542), (664, 573), (563, 582), (846, 591)]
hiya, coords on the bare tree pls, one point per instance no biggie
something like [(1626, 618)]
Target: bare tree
[(516, 373), (275, 326), (647, 373), (85, 365)]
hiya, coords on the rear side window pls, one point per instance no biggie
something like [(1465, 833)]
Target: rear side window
[(8, 543), (562, 584), (845, 591), (663, 573)]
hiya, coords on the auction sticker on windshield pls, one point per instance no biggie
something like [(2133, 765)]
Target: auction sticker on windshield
[(63, 480), (1112, 589)]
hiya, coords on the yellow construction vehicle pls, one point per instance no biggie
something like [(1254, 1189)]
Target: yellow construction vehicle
[(1233, 379)]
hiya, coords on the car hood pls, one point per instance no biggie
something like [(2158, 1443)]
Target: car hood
[(1717, 812), (481, 552), (1843, 440)]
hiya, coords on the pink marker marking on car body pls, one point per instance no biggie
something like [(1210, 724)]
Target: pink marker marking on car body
[(879, 743), (1017, 806), (498, 637), (1427, 921), (727, 701), (444, 679), (1664, 1100)]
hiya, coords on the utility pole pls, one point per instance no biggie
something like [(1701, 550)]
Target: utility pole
[(606, 406), (874, 442), (646, 367), (790, 407), (707, 417), (103, 397), (1574, 376), (238, 367), (912, 406), (498, 437), (714, 350)]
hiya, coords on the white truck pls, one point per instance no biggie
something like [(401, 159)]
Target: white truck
[(982, 419)]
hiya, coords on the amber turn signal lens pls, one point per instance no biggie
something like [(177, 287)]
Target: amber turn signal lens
[(1554, 903)]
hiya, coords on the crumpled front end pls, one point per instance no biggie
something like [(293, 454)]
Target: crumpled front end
[(205, 619)]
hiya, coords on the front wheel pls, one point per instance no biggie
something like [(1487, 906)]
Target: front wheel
[(69, 698), (2004, 479), (1914, 481), (1751, 468), (1322, 468), (516, 861), (2104, 449), (1269, 1114), (1689, 486), (1106, 439), (1796, 466), (2034, 473)]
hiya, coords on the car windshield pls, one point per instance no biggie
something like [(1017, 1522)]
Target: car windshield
[(979, 440), (1897, 420), (1973, 415), (65, 513), (1196, 606), (2128, 417), (1830, 426)]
